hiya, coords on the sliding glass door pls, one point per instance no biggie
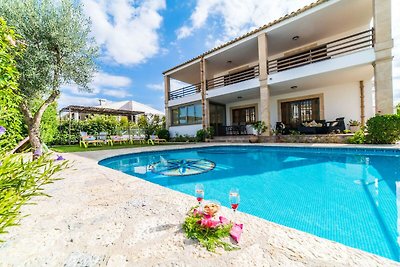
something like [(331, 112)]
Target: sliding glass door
[(296, 112)]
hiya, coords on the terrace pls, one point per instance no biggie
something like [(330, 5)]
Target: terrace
[(339, 47)]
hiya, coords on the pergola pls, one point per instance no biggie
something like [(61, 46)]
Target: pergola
[(98, 110)]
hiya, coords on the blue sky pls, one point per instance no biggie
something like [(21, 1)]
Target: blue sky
[(139, 40)]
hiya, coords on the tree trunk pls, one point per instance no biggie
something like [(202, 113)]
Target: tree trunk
[(34, 138), (33, 122)]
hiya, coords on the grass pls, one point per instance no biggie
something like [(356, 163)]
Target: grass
[(77, 148)]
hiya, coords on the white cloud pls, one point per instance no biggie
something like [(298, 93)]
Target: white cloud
[(117, 93), (67, 99), (156, 86), (126, 30), (237, 17), (103, 83)]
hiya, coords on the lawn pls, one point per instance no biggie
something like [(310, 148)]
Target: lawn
[(77, 148)]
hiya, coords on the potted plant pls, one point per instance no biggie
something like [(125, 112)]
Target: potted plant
[(354, 126), (260, 128)]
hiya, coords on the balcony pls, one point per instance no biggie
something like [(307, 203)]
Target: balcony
[(185, 91), (229, 79), (217, 82), (343, 46)]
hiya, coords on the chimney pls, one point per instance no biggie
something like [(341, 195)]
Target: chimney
[(101, 101)]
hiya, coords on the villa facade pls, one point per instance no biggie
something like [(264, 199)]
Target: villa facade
[(327, 60)]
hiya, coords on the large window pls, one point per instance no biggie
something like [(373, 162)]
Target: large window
[(244, 115), (296, 112), (191, 114)]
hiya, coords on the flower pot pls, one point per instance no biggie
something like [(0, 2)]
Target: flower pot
[(253, 139), (354, 128)]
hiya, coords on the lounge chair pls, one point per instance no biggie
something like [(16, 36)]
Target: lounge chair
[(117, 139), (154, 139), (102, 136), (87, 140), (140, 139)]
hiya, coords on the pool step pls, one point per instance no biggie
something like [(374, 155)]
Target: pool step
[(231, 139)]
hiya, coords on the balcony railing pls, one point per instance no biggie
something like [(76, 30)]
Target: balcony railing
[(216, 82), (229, 79), (346, 45), (185, 91)]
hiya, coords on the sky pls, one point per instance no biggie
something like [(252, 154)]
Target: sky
[(139, 39)]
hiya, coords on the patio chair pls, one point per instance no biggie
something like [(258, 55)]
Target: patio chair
[(102, 136), (336, 126), (87, 140), (281, 128), (154, 139)]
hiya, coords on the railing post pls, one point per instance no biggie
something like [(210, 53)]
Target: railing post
[(167, 96)]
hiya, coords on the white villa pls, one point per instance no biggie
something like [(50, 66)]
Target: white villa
[(128, 105), (330, 59)]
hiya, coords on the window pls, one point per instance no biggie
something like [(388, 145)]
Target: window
[(296, 112), (244, 115), (191, 114)]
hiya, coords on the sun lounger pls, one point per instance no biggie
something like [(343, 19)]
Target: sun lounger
[(118, 139), (140, 139), (87, 140), (154, 139)]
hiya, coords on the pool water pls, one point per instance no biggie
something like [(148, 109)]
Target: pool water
[(345, 195)]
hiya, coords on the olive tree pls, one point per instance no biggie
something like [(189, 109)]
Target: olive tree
[(58, 51)]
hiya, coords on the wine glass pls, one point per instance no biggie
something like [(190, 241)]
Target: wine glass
[(199, 191), (234, 199)]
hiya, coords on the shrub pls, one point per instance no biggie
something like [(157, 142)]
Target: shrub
[(49, 124), (383, 129), (150, 124), (163, 134), (203, 134), (358, 137)]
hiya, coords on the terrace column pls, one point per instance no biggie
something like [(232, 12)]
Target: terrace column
[(204, 101), (167, 89), (264, 89), (383, 53)]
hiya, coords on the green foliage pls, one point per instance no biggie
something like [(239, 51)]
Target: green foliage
[(21, 178), (383, 129), (49, 124), (56, 36), (58, 51), (184, 138), (210, 238), (150, 124), (260, 127), (203, 134), (163, 134), (92, 125), (10, 51), (358, 137), (398, 109), (354, 123)]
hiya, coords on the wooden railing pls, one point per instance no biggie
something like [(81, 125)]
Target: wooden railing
[(185, 91), (237, 77), (346, 45)]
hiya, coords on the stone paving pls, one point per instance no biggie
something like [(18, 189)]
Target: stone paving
[(101, 217)]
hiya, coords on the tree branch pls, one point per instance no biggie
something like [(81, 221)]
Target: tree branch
[(47, 102)]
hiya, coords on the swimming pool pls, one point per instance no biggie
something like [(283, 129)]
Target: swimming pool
[(345, 195)]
